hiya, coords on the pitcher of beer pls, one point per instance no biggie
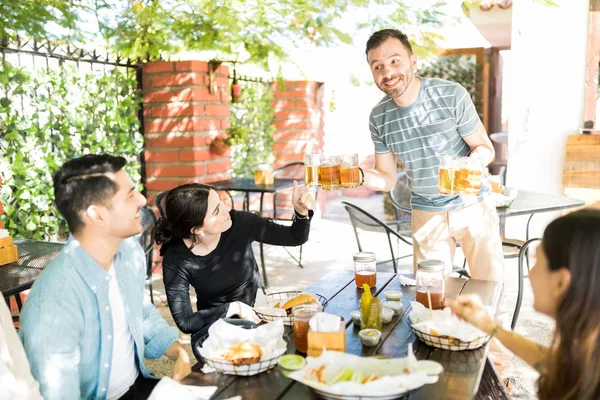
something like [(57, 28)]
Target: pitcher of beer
[(311, 169), (350, 173), (329, 172)]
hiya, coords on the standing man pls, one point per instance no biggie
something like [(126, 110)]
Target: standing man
[(418, 121), (87, 326)]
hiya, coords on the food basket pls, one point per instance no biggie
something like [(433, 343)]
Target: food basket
[(448, 342), (281, 297), (227, 367)]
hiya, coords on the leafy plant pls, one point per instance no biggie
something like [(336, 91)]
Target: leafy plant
[(247, 30), (252, 123), (48, 117)]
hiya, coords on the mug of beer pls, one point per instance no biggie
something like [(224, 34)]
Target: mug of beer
[(447, 182), (311, 170), (468, 176), (263, 175), (350, 173), (329, 172), (460, 175)]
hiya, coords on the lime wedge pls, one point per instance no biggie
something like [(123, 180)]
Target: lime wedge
[(292, 361), (343, 376)]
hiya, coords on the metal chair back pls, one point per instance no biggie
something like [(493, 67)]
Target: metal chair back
[(146, 239), (361, 219)]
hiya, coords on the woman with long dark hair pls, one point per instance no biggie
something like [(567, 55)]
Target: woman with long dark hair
[(208, 245), (566, 286)]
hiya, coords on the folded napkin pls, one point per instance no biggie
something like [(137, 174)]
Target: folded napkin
[(323, 322), (406, 281), (168, 388)]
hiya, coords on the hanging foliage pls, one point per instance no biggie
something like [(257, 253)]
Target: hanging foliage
[(48, 117)]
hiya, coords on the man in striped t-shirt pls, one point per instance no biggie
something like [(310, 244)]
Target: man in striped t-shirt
[(418, 121)]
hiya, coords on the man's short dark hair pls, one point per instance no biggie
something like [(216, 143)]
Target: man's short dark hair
[(81, 182), (381, 36)]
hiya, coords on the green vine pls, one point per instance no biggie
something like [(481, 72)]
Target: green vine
[(48, 117), (252, 130)]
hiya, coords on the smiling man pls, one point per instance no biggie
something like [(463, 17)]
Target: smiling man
[(418, 121), (86, 325)]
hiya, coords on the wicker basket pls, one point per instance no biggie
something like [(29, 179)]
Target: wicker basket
[(281, 297), (227, 367), (448, 342)]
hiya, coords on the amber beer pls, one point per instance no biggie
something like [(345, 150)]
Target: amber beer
[(311, 169), (437, 299), (302, 314), (329, 173), (263, 176), (311, 175), (368, 277), (349, 171), (446, 184)]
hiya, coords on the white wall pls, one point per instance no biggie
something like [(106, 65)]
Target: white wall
[(546, 98)]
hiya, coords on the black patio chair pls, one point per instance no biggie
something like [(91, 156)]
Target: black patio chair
[(523, 254), (146, 239), (361, 219)]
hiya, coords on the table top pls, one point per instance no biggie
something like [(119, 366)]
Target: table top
[(34, 255), (462, 370), (248, 185), (528, 202)]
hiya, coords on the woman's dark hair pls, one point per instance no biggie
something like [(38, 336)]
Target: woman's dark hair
[(185, 208), (82, 182), (573, 242), (381, 36)]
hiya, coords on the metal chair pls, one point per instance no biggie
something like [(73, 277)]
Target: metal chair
[(146, 239), (364, 220), (523, 254)]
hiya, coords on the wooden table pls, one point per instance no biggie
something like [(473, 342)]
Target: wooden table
[(463, 370)]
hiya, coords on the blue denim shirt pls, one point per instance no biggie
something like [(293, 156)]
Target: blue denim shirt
[(66, 324)]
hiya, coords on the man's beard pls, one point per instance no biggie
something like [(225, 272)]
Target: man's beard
[(403, 85)]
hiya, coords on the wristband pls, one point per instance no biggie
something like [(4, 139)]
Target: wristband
[(300, 216)]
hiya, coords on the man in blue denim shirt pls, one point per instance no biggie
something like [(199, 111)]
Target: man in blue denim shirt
[(87, 326)]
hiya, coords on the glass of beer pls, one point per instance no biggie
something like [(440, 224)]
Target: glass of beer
[(311, 169), (468, 180), (263, 175), (329, 173), (350, 174), (447, 182), (365, 269), (302, 314)]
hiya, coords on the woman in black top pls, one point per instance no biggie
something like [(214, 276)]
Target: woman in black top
[(208, 245)]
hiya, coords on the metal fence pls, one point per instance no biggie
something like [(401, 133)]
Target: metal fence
[(33, 54)]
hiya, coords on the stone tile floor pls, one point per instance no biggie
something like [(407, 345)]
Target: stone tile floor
[(330, 248)]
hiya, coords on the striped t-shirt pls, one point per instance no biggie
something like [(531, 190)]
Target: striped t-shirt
[(432, 127)]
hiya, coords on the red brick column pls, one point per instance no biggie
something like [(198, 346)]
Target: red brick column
[(181, 118), (299, 121)]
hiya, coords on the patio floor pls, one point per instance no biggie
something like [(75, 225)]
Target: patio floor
[(330, 248)]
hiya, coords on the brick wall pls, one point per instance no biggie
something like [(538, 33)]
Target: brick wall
[(181, 118), (299, 121)]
